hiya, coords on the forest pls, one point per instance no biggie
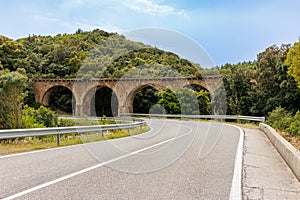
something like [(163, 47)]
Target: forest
[(267, 86)]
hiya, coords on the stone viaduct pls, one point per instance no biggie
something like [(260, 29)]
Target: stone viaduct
[(125, 89)]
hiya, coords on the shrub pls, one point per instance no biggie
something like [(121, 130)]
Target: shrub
[(66, 122), (45, 116), (285, 121), (29, 120), (294, 128), (280, 118), (38, 118)]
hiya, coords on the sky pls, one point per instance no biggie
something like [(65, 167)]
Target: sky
[(229, 31)]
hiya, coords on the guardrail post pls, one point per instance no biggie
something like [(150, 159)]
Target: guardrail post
[(102, 134), (58, 139)]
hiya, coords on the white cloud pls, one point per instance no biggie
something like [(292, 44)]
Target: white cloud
[(148, 7), (85, 25)]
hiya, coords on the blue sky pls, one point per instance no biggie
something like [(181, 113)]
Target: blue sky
[(229, 30)]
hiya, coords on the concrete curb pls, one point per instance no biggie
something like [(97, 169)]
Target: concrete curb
[(288, 152)]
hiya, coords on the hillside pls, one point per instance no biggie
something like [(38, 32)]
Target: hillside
[(92, 54)]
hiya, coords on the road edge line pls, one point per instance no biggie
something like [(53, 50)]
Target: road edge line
[(236, 185)]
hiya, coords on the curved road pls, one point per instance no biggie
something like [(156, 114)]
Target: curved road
[(175, 160)]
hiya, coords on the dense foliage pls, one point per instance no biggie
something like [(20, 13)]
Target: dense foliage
[(12, 94), (238, 86), (94, 54), (61, 100), (293, 59), (151, 62), (257, 88), (145, 99), (39, 118), (286, 121), (185, 101)]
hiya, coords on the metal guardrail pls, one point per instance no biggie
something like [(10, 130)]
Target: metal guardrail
[(234, 117), (16, 133)]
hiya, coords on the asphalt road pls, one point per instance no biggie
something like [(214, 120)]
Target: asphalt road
[(175, 160)]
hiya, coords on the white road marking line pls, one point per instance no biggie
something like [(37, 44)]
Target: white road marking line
[(236, 185), (90, 168)]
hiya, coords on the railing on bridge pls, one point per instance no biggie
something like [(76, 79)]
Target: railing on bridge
[(124, 79)]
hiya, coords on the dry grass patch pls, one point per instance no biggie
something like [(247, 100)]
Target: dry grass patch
[(294, 140)]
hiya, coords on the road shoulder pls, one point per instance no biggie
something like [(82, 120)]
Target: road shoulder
[(265, 173)]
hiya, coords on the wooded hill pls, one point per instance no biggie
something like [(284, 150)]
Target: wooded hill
[(93, 54)]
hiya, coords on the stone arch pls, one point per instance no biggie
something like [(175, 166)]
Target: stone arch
[(89, 100), (210, 83), (46, 96), (144, 100), (195, 86), (132, 94)]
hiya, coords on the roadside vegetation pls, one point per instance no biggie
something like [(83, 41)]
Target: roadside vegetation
[(287, 124)]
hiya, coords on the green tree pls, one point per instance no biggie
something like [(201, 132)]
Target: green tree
[(145, 99), (39, 118), (45, 116), (273, 87), (204, 102), (218, 101), (185, 101), (237, 82), (61, 100), (188, 101), (169, 101), (293, 60), (12, 94), (10, 52)]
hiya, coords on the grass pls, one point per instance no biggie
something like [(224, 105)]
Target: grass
[(293, 139), (9, 146), (86, 122), (244, 125)]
